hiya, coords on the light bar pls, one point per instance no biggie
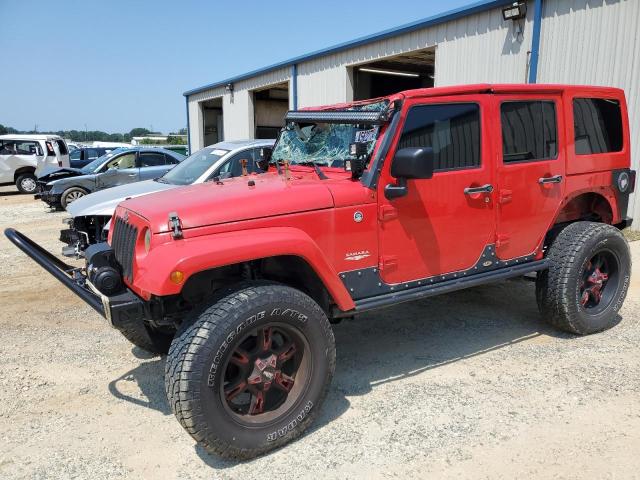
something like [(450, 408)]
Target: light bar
[(390, 72), (336, 116)]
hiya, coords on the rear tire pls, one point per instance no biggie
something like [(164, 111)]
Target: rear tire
[(27, 183), (70, 195), (249, 374), (145, 337), (587, 280)]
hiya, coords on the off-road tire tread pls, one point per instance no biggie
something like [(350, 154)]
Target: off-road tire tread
[(554, 290), (209, 321)]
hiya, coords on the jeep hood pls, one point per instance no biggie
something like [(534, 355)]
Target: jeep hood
[(233, 200), (104, 202)]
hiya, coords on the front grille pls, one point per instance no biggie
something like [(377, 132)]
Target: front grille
[(123, 243)]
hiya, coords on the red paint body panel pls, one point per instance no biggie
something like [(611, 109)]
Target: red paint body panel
[(340, 225)]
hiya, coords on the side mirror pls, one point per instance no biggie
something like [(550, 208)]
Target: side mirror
[(409, 163)]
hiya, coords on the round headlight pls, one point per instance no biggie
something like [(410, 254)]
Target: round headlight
[(147, 240)]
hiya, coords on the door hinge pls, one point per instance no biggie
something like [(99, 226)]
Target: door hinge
[(502, 240), (388, 262), (387, 212), (505, 196)]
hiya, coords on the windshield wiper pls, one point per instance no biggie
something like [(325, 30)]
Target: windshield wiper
[(315, 166)]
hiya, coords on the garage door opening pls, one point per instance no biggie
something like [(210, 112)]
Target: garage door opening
[(212, 121), (270, 105), (394, 74)]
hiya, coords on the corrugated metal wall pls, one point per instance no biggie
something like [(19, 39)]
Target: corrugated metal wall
[(237, 108), (595, 42)]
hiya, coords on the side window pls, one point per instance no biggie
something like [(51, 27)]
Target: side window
[(597, 124), (27, 148), (169, 160), (260, 155), (529, 131), (75, 155), (151, 159), (233, 167), (127, 160), (91, 154), (7, 147), (451, 130)]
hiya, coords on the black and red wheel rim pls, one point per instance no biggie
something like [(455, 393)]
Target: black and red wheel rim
[(266, 373), (599, 281)]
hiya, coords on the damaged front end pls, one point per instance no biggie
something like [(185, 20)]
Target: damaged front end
[(82, 232)]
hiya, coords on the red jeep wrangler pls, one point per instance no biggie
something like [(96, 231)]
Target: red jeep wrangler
[(367, 205)]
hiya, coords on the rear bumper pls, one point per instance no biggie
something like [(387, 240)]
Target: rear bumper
[(118, 309)]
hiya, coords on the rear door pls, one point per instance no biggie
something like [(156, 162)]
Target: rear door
[(443, 224), (531, 170)]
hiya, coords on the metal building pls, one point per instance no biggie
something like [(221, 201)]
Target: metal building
[(557, 41)]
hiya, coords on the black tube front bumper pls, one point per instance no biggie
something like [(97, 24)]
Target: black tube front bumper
[(118, 309)]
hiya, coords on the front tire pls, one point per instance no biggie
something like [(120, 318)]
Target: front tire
[(27, 183), (587, 280), (71, 195), (250, 372)]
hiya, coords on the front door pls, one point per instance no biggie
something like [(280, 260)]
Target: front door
[(120, 169), (444, 223), (531, 169)]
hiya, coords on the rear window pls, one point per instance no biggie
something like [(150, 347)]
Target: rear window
[(597, 124), (529, 131)]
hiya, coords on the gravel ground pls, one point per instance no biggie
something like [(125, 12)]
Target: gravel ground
[(467, 385)]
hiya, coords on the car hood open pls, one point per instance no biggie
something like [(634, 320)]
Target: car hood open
[(233, 200), (104, 202), (49, 175)]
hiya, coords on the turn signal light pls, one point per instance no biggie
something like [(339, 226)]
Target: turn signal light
[(177, 277)]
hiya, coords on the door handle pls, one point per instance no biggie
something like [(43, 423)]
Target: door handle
[(488, 188), (132, 174), (554, 179)]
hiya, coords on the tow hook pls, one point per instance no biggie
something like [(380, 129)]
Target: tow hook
[(174, 223)]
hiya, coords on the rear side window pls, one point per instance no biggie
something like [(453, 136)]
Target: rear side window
[(62, 147), (529, 131), (452, 131), (92, 153), (170, 159), (597, 124), (151, 159), (19, 147)]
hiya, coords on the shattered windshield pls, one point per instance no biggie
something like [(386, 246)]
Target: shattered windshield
[(325, 144)]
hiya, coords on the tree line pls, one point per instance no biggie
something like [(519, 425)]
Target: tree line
[(100, 136)]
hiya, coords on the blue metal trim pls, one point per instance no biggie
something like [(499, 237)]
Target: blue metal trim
[(535, 41), (448, 16), (294, 85), (188, 127)]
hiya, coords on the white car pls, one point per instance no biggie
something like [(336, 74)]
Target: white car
[(24, 157), (90, 215)]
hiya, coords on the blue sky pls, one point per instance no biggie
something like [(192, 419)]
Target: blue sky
[(118, 64)]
